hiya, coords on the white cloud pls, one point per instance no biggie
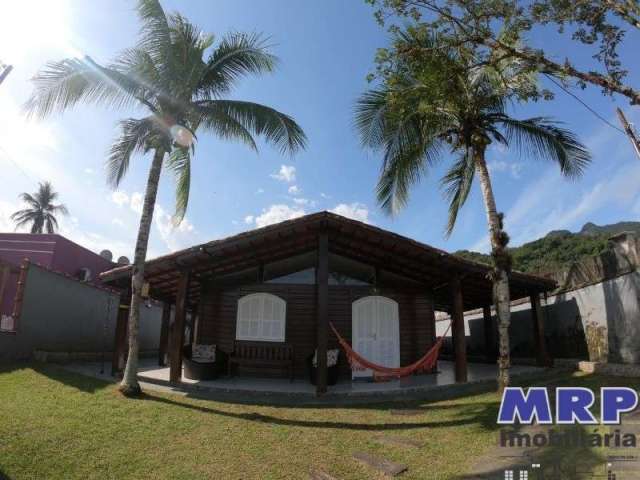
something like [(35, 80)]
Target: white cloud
[(174, 237), (249, 219), (119, 198), (136, 202), (303, 201), (260, 191), (278, 213), (355, 211), (514, 168), (287, 173), (89, 171), (118, 222), (325, 196), (295, 190)]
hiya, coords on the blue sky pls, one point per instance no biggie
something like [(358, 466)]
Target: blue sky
[(326, 50)]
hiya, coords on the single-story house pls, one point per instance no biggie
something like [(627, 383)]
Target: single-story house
[(283, 284)]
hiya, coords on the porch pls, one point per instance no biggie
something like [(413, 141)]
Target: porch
[(283, 284), (442, 383)]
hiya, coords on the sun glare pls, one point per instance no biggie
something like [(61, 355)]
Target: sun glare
[(32, 26)]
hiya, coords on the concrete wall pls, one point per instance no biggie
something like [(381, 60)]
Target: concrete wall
[(599, 322), (60, 314)]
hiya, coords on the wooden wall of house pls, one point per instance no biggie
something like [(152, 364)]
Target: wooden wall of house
[(218, 309)]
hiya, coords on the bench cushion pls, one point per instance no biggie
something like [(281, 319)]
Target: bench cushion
[(203, 353), (332, 357)]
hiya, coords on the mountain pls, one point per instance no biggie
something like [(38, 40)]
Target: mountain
[(560, 248), (610, 230)]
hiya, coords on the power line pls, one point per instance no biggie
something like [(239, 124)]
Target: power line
[(584, 104), (17, 165)]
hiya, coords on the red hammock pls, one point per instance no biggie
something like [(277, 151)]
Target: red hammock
[(359, 363)]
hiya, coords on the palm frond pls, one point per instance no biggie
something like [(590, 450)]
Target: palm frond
[(38, 225), (62, 85), (179, 162), (23, 216), (457, 184), (28, 198), (408, 154), (52, 224), (60, 208), (542, 138), (225, 126), (237, 55), (139, 65), (277, 128), (154, 35), (135, 136), (370, 112)]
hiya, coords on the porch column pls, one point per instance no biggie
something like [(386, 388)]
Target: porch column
[(457, 331), (542, 358), (489, 340), (322, 281), (177, 331), (164, 334)]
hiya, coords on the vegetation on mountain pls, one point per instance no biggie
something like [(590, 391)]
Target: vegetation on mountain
[(560, 248)]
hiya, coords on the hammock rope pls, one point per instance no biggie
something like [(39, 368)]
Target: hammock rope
[(359, 363)]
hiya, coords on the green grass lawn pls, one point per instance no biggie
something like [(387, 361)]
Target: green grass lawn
[(57, 424)]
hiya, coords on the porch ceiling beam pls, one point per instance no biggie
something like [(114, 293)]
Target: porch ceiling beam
[(224, 263), (254, 261)]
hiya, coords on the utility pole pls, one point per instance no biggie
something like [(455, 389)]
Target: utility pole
[(4, 71), (631, 133)]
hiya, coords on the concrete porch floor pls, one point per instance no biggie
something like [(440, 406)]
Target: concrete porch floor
[(276, 390), (445, 376)]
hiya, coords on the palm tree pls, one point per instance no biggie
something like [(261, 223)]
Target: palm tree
[(41, 212), (176, 75), (432, 99)]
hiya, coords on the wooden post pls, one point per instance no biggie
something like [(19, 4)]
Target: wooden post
[(489, 339), (164, 334), (457, 330), (177, 331), (542, 358), (120, 340), (195, 324), (323, 312), (4, 278)]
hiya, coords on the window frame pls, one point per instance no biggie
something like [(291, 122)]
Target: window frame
[(260, 338)]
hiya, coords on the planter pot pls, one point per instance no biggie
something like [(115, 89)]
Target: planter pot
[(194, 370), (332, 373)]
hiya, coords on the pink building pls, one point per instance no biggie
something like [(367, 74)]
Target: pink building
[(51, 251)]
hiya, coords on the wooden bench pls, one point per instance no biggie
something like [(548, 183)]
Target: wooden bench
[(262, 354)]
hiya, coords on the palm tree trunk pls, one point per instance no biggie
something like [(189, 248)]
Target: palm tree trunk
[(501, 277), (129, 385)]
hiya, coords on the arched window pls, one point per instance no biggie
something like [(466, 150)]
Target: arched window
[(261, 317)]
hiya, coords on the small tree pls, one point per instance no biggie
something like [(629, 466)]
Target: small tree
[(433, 98), (176, 75), (41, 211)]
